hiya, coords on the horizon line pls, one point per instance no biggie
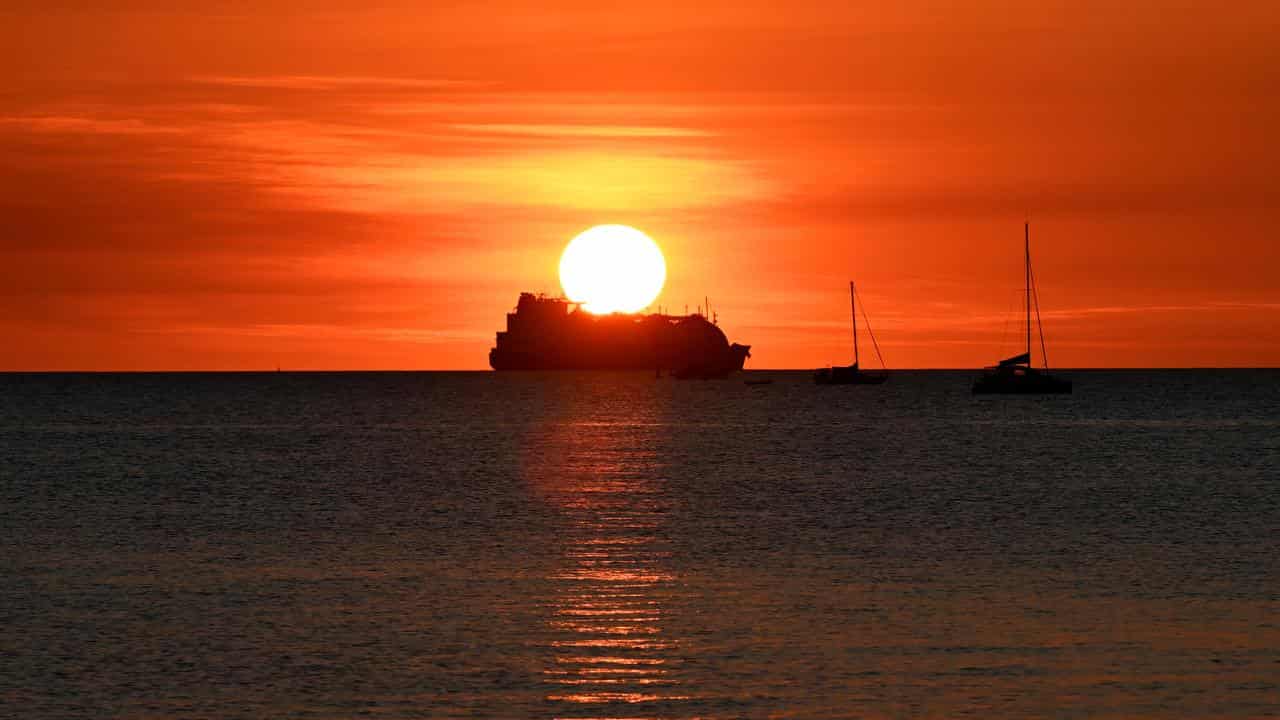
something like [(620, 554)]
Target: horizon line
[(212, 371)]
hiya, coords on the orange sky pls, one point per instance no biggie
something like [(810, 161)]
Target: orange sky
[(247, 185)]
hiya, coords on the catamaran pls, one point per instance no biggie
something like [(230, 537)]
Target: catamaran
[(1016, 375), (853, 374)]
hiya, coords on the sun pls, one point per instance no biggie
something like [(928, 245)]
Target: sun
[(612, 268)]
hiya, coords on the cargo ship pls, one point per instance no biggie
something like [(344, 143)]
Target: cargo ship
[(552, 333)]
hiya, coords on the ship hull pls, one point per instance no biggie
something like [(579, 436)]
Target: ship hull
[(714, 367), (718, 365), (1006, 383), (546, 361), (848, 376)]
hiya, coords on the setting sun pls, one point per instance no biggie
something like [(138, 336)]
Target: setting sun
[(612, 268)]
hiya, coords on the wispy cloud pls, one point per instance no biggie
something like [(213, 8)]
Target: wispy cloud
[(1210, 307), (334, 82), (86, 125), (342, 168), (330, 332), (586, 131)]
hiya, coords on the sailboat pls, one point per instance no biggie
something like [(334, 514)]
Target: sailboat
[(1016, 375), (853, 374)]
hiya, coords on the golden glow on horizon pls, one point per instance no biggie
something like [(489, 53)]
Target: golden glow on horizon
[(612, 268)]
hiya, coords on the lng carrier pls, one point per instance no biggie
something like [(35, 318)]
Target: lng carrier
[(551, 333)]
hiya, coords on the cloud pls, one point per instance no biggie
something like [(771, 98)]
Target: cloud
[(73, 124), (333, 332), (586, 131), (336, 82), (364, 172), (1208, 307)]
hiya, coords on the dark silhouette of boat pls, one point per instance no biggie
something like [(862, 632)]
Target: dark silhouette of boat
[(853, 374), (549, 333), (1015, 375)]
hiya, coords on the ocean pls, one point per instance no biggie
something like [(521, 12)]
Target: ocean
[(594, 545)]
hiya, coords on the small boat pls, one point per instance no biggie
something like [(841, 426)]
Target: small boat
[(1016, 375), (853, 374), (764, 381)]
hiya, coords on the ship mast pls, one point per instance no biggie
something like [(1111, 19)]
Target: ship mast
[(853, 311), (1026, 248)]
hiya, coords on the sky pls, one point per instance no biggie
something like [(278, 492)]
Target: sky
[(252, 185)]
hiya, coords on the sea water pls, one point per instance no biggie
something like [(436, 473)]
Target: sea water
[(594, 545)]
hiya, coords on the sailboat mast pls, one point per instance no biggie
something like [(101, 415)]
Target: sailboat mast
[(853, 311), (1026, 249)]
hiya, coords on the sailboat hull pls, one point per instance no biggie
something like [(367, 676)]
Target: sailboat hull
[(1020, 382), (848, 376)]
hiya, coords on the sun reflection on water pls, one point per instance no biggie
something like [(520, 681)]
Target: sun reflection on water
[(610, 648)]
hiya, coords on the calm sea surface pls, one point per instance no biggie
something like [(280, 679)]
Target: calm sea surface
[(399, 545)]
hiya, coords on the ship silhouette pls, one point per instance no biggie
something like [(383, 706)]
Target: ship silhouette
[(1016, 375), (551, 333)]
